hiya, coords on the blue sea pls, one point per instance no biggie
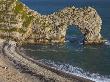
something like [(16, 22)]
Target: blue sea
[(88, 61)]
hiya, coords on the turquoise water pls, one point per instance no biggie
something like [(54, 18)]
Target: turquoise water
[(91, 62)]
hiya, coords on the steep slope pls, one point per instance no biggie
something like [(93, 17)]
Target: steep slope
[(14, 19)]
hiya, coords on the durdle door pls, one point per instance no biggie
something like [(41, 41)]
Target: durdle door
[(19, 23)]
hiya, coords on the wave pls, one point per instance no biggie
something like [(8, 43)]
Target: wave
[(76, 71), (107, 43)]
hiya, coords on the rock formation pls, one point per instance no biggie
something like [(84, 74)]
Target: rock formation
[(19, 23)]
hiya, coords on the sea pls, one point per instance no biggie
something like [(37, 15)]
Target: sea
[(87, 61)]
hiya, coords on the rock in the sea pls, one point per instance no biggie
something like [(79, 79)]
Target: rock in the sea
[(19, 23)]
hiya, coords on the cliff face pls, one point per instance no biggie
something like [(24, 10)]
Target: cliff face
[(19, 23)]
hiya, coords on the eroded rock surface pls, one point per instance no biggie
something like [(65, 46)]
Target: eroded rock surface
[(19, 23)]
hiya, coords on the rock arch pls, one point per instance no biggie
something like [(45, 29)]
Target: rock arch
[(26, 25), (52, 28)]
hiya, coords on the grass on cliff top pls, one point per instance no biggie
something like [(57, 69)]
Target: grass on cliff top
[(20, 9)]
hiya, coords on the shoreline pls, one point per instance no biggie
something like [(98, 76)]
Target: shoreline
[(8, 72), (36, 69)]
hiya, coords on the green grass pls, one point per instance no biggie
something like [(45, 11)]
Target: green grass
[(20, 9)]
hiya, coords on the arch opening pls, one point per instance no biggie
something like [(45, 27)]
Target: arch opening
[(73, 34)]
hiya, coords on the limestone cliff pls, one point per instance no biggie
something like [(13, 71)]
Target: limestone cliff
[(19, 23)]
